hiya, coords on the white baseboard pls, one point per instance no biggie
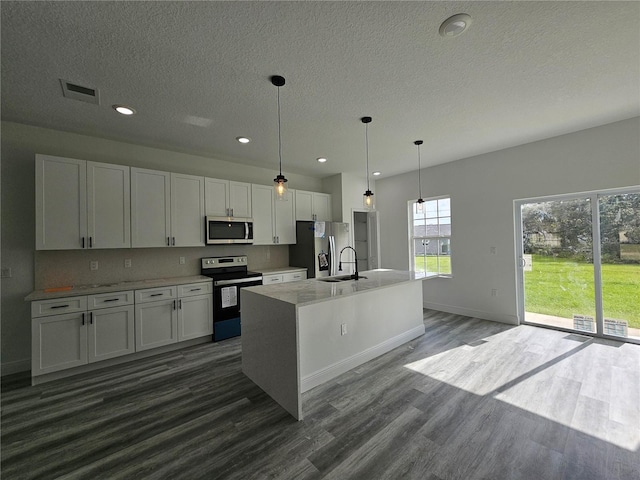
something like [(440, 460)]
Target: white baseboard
[(9, 368), (319, 377), (467, 312)]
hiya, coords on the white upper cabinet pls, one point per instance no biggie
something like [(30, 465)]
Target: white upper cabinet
[(108, 206), (167, 209), (285, 221), (313, 206), (224, 198), (273, 221), (81, 204), (150, 208), (187, 210)]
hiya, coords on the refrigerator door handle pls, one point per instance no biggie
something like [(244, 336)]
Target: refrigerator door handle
[(332, 255)]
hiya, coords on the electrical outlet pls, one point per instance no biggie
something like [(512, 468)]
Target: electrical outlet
[(493, 250), (127, 263), (94, 265), (181, 260), (6, 273), (343, 329), (494, 292)]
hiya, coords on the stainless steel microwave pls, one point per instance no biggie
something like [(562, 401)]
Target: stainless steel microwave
[(221, 230)]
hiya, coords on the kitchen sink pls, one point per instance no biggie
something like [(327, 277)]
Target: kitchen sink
[(342, 278)]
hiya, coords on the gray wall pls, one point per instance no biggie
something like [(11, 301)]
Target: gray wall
[(483, 190), (20, 143)]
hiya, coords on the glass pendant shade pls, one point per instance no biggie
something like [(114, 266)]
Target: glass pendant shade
[(280, 184), (367, 200), (420, 206)]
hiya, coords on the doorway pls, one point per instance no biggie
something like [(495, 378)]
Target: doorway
[(579, 263), (365, 239)]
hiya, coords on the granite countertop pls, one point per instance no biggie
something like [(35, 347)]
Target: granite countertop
[(313, 290), (272, 271), (116, 287)]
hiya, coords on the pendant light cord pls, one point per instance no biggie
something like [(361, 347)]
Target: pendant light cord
[(279, 134), (419, 181), (366, 136)]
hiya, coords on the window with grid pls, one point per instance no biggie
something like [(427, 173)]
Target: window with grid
[(430, 236)]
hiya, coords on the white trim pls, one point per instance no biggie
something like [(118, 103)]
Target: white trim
[(467, 312), (321, 376), (17, 366)]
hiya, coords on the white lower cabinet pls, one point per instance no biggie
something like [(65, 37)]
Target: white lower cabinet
[(74, 331), (286, 277), (58, 342), (195, 317), (156, 324), (68, 340), (195, 311), (111, 333)]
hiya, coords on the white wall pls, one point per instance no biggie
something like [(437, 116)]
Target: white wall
[(482, 190), (20, 143)]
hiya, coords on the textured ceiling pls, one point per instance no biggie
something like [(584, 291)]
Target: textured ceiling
[(198, 75)]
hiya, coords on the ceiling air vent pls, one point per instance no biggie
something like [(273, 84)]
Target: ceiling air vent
[(78, 92)]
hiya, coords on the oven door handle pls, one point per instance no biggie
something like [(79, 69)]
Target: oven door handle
[(236, 281)]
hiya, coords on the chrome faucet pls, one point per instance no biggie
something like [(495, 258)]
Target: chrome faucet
[(355, 276)]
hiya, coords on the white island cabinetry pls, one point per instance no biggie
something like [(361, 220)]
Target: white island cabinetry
[(299, 335)]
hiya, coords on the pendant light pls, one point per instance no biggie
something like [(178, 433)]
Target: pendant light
[(280, 182), (367, 199), (420, 202)]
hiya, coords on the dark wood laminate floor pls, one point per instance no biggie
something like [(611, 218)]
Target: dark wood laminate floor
[(470, 399)]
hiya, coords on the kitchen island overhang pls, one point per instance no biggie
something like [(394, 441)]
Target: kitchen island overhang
[(299, 335)]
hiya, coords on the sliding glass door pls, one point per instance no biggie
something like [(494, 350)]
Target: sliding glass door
[(579, 263)]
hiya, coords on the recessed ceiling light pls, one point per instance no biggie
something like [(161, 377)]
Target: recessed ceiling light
[(322, 159), (124, 110), (243, 139), (455, 25), (375, 174)]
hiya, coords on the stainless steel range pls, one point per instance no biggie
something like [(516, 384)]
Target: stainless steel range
[(230, 275)]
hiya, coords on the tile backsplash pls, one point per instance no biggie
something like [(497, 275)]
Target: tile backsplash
[(57, 268)]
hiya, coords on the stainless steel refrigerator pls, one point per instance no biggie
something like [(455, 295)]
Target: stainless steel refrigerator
[(320, 241)]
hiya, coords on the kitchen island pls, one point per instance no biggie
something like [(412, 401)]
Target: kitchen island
[(296, 336)]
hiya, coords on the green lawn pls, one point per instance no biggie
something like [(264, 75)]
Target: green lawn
[(563, 287), (430, 264)]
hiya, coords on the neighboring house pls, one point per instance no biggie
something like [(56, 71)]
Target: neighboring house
[(429, 245)]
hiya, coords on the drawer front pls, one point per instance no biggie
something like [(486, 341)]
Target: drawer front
[(270, 279), (295, 276), (58, 306), (155, 294), (115, 299), (193, 289)]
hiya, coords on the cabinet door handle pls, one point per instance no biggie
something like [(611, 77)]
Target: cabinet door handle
[(83, 318), (173, 241), (91, 318), (195, 289), (180, 304), (232, 212), (111, 300), (174, 304), (90, 242), (82, 242), (156, 294), (59, 306), (168, 242)]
